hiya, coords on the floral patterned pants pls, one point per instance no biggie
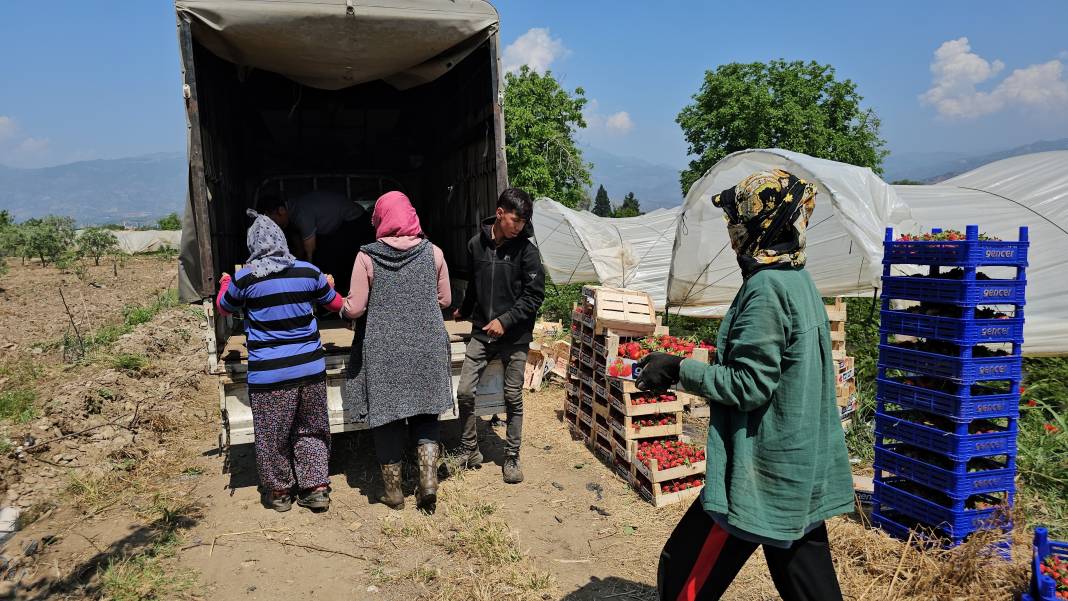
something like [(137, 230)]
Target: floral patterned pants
[(292, 436)]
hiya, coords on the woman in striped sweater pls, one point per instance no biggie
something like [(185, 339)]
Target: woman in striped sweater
[(286, 368)]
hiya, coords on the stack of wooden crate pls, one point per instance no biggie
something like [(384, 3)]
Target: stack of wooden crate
[(846, 388), (610, 414)]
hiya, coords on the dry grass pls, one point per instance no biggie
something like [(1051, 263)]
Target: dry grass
[(485, 559)]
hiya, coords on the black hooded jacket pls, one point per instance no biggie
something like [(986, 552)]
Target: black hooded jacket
[(506, 283)]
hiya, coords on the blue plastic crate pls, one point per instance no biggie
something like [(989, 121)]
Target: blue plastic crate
[(955, 482), (1044, 588), (963, 406), (968, 370), (965, 253), (957, 253), (953, 329), (956, 524), (958, 446), (955, 292), (903, 528)]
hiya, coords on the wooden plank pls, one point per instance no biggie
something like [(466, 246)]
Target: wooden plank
[(197, 182), (654, 474), (498, 115)]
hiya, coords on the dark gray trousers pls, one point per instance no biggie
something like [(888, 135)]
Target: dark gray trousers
[(514, 360)]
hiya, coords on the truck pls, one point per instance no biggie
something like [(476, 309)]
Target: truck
[(291, 96)]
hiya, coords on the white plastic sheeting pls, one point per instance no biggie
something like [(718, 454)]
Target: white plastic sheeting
[(845, 233), (631, 252), (1000, 197), (133, 242)]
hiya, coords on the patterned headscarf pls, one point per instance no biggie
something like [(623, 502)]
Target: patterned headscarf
[(767, 215), (267, 247)]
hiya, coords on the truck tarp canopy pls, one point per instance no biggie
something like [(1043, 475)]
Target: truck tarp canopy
[(580, 247), (1000, 197), (334, 44), (845, 233)]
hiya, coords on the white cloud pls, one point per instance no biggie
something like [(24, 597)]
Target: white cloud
[(17, 149), (957, 71), (7, 127), (536, 48), (619, 122), (32, 146)]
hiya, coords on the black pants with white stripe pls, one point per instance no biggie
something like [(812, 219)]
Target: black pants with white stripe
[(700, 561)]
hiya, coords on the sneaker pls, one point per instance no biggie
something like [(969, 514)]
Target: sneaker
[(280, 502), (513, 474), (316, 500)]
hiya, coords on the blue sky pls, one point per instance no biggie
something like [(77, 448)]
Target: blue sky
[(82, 80)]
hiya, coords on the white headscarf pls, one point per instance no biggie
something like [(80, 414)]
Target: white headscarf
[(267, 247)]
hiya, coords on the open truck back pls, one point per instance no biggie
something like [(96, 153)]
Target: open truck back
[(293, 96)]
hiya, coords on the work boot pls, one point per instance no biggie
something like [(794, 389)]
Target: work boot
[(427, 496), (470, 459), (393, 497), (513, 474)]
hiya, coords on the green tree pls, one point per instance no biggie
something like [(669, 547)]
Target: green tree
[(630, 207), (169, 222), (96, 242), (602, 207), (795, 106), (48, 238), (540, 121)]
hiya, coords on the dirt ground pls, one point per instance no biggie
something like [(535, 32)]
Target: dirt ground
[(123, 495)]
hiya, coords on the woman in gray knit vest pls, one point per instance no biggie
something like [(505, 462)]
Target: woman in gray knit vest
[(399, 373)]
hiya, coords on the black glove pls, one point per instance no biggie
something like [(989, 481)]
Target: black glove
[(658, 371)]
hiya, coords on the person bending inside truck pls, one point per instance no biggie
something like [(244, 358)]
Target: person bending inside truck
[(777, 461), (330, 228), (286, 368), (505, 289), (400, 371)]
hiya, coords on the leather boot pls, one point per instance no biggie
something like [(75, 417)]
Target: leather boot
[(427, 497), (391, 479)]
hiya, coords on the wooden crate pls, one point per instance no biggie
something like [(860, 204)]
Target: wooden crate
[(653, 493), (625, 427), (622, 403), (652, 472), (837, 315), (624, 311), (534, 371), (559, 356), (845, 368), (696, 406)]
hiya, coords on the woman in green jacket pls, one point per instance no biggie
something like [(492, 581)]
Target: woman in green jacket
[(777, 465)]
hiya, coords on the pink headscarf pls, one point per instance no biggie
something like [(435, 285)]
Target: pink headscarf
[(395, 216)]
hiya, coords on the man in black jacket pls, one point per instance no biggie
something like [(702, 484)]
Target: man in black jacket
[(505, 290)]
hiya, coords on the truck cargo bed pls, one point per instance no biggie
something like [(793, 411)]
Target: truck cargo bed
[(336, 338)]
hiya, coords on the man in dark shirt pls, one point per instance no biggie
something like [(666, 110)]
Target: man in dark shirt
[(505, 290), (331, 229)]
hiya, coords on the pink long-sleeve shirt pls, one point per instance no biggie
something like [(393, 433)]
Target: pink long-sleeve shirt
[(355, 304)]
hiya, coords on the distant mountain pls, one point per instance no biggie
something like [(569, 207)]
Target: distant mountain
[(138, 190), (656, 186), (935, 167)]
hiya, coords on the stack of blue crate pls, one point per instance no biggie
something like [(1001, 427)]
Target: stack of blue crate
[(948, 384)]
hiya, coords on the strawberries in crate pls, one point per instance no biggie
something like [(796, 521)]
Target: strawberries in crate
[(657, 419), (1057, 569), (944, 235), (652, 398), (683, 484), (675, 346), (669, 453)]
